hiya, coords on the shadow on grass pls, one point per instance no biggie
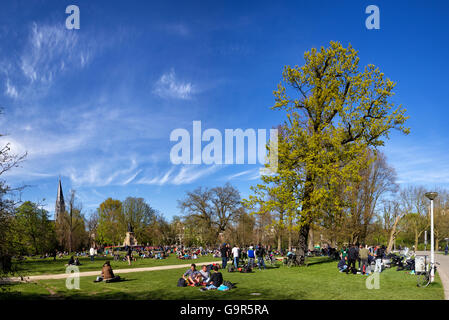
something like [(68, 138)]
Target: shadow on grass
[(320, 261)]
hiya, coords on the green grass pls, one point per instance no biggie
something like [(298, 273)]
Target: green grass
[(320, 280), (49, 266)]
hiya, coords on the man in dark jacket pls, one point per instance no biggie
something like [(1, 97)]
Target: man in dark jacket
[(224, 255), (260, 254), (353, 255)]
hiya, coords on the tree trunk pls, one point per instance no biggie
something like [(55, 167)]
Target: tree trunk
[(392, 234), (289, 240), (279, 242), (416, 241), (303, 243)]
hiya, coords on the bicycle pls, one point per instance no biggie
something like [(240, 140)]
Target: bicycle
[(423, 278)]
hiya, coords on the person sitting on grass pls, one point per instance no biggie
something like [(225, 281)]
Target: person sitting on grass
[(191, 275), (71, 261), (107, 274), (342, 266), (204, 274), (216, 279)]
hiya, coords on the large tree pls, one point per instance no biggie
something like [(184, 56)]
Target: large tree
[(336, 113), (212, 209)]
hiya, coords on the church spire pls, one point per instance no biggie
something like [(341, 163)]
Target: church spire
[(60, 205)]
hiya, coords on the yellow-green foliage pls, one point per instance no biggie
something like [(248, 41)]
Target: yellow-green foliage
[(336, 113)]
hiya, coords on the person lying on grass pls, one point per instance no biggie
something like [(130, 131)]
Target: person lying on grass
[(107, 274), (191, 276)]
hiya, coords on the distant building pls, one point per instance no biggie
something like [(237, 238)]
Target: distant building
[(60, 204)]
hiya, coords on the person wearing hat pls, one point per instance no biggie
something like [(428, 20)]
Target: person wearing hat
[(251, 257)]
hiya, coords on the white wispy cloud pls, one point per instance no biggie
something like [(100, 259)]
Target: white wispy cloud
[(169, 87), (104, 173), (11, 90), (50, 50), (180, 175)]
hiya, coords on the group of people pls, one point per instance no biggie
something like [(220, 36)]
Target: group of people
[(203, 277), (364, 256), (237, 254)]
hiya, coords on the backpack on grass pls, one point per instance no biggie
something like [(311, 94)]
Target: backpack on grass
[(182, 282), (229, 284)]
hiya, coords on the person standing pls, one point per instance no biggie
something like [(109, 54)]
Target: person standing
[(363, 255), (92, 253), (379, 256), (224, 255), (352, 257), (446, 249), (260, 253), (251, 257), (235, 255)]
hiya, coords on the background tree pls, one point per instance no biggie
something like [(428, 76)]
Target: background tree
[(415, 207), (111, 222), (71, 226), (139, 214), (92, 228), (8, 161), (211, 211), (33, 229)]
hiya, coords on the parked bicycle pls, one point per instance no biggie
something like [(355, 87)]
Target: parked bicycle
[(423, 277)]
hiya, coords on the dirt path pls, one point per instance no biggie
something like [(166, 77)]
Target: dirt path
[(442, 269), (97, 273)]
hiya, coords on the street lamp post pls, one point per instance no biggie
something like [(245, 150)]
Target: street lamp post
[(431, 196)]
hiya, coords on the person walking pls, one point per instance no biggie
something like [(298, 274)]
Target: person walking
[(446, 249), (129, 253), (224, 255)]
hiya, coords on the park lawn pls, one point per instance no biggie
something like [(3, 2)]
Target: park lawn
[(33, 266), (320, 280)]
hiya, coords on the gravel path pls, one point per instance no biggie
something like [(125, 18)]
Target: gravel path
[(97, 273)]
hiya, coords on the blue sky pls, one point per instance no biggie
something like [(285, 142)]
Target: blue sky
[(96, 105)]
